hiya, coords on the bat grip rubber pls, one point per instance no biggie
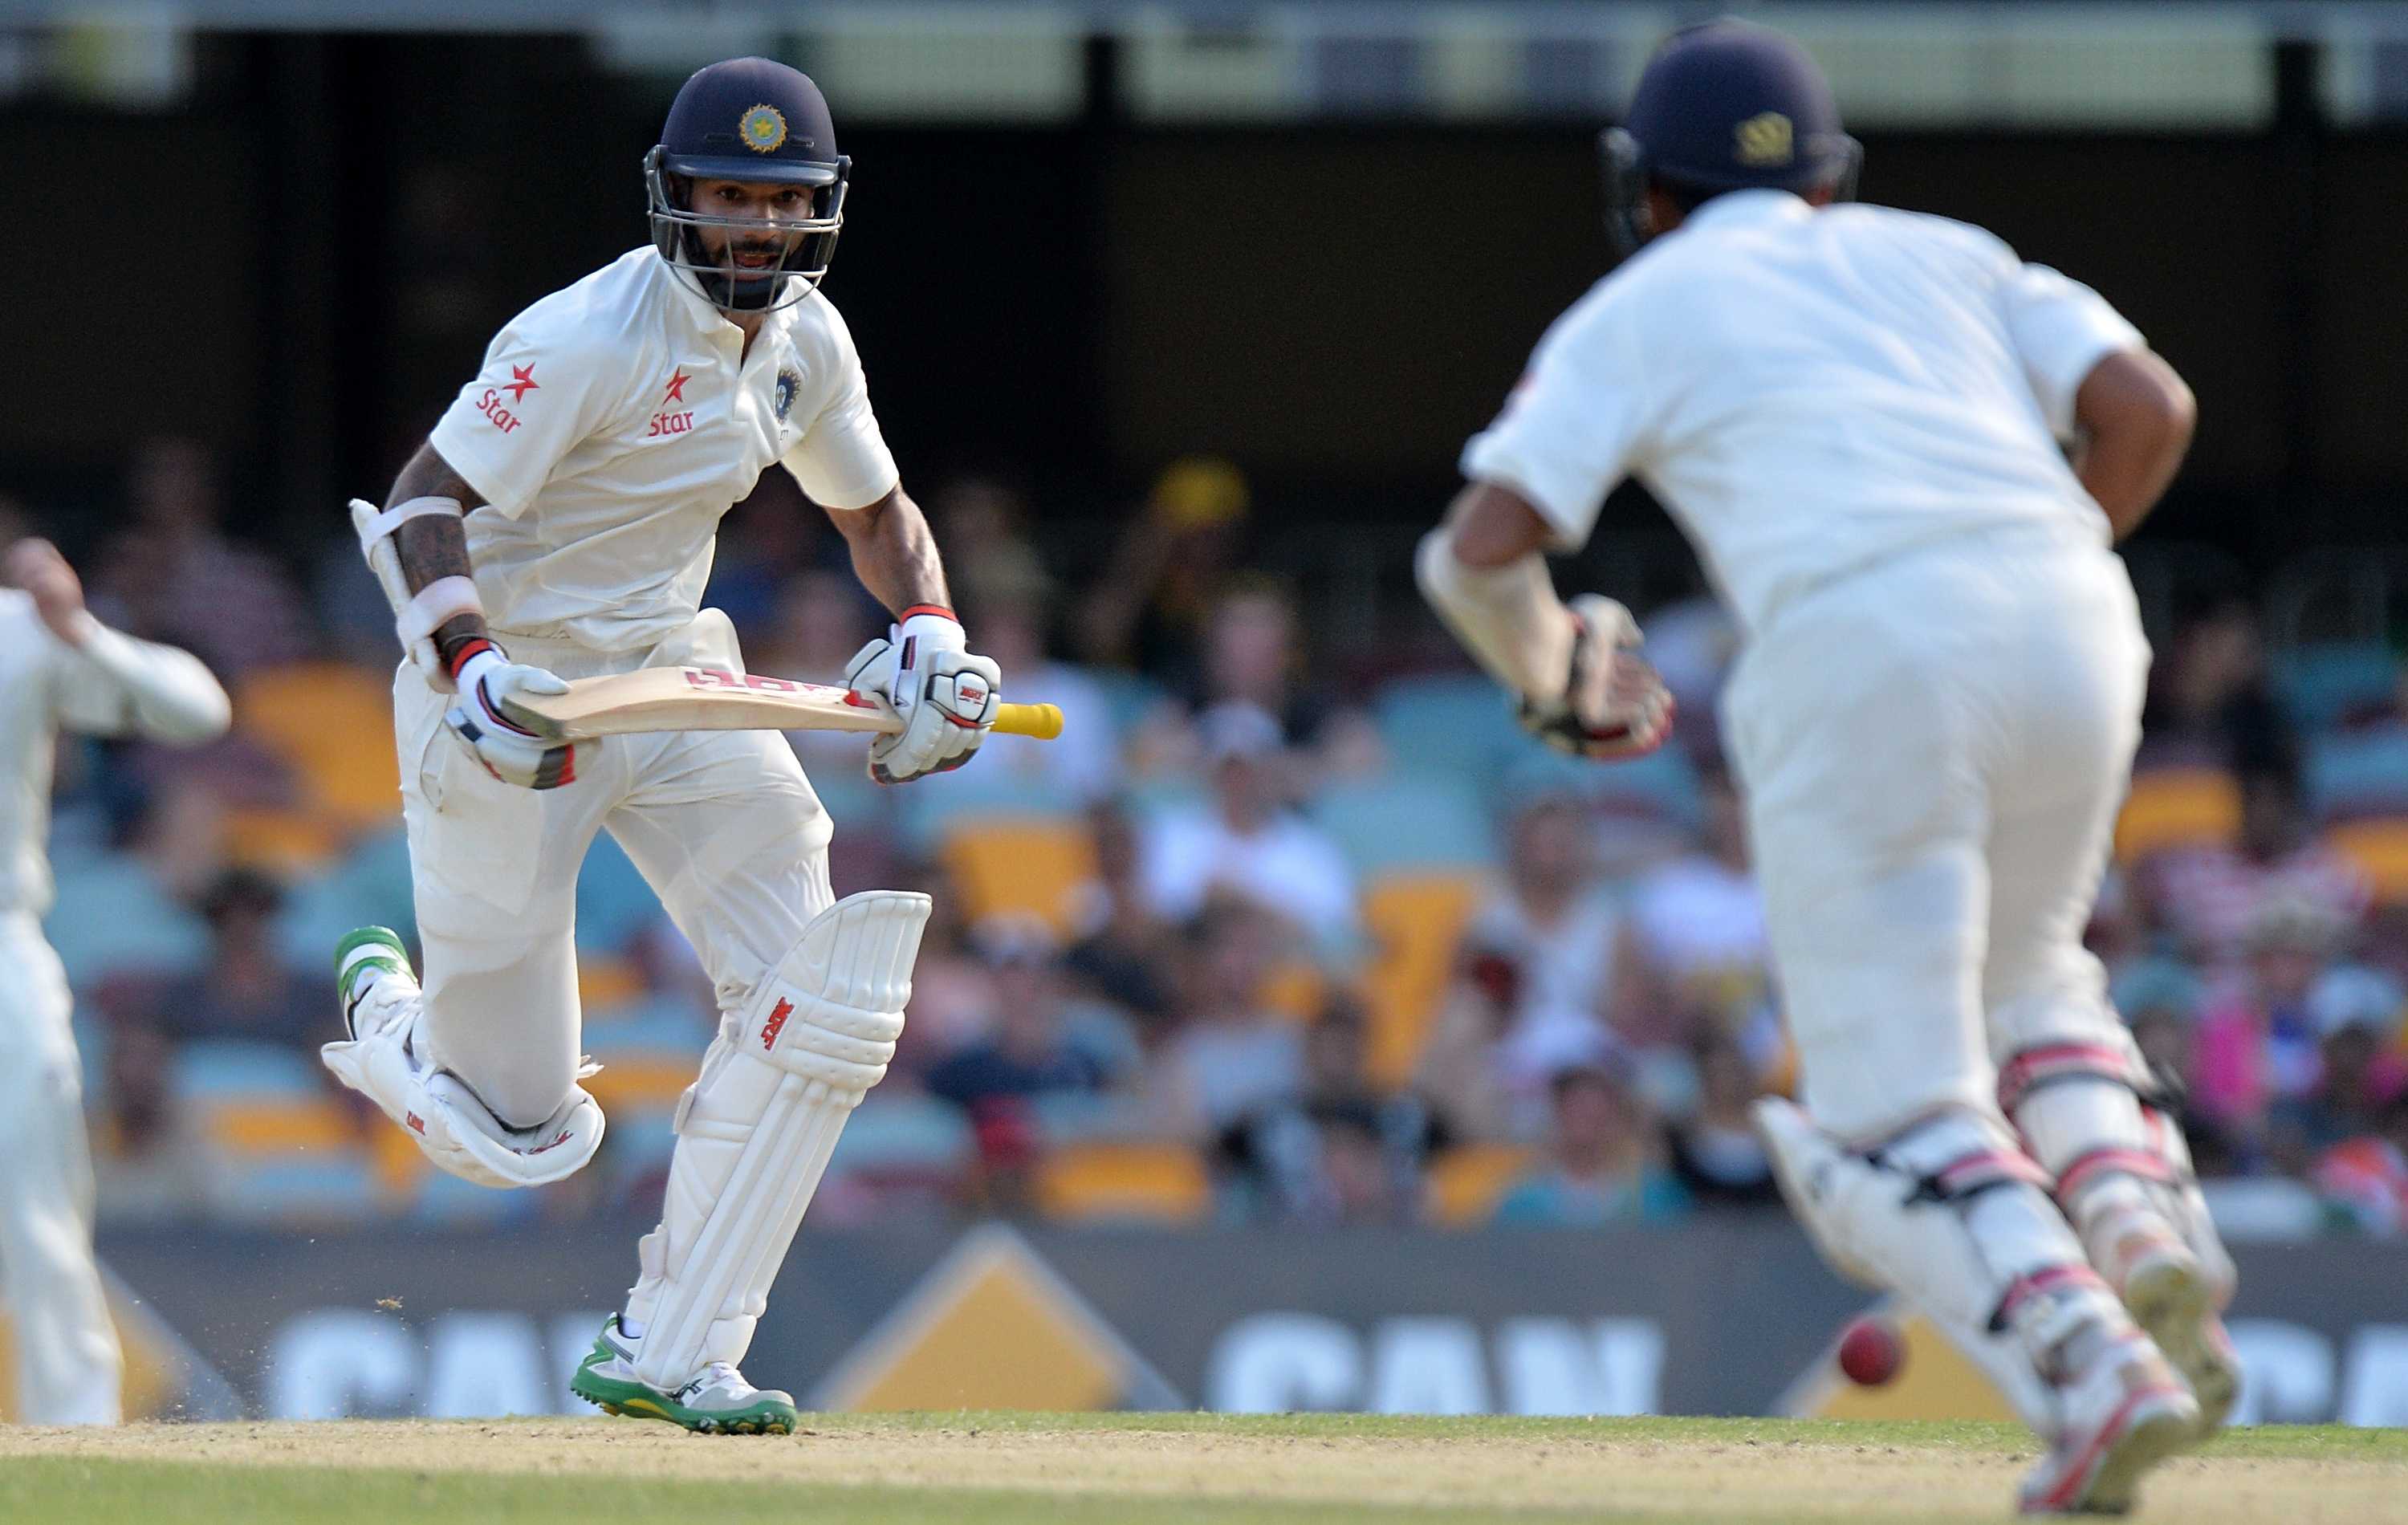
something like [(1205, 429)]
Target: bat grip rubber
[(1041, 721)]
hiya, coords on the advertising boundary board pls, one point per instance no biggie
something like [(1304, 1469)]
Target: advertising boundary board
[(1725, 1317)]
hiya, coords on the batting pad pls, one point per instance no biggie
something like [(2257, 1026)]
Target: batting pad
[(756, 1128)]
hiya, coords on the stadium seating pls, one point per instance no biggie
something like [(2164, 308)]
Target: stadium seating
[(1451, 725), (2379, 847), (2359, 773), (1408, 821), (1035, 866), (2176, 807), (333, 722), (2321, 683), (1414, 921), (289, 1149), (1466, 1183), (1123, 1181)]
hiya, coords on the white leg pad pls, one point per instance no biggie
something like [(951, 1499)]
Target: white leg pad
[(756, 1128), (454, 1128), (1953, 1216)]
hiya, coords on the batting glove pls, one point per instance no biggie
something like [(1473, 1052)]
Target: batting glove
[(925, 674), (510, 752), (1613, 704)]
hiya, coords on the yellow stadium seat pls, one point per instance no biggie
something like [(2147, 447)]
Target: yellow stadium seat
[(277, 1127), (1466, 1183), (333, 724), (287, 843), (1295, 989), (1031, 866), (604, 980), (1414, 921), (2177, 807), (630, 1084), (1154, 1183), (399, 1164), (2379, 847)]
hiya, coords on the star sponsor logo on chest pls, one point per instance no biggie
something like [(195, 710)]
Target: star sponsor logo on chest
[(671, 417)]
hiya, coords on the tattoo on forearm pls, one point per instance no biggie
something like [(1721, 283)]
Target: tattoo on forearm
[(436, 546)]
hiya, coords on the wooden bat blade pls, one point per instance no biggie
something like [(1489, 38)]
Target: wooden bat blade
[(705, 698)]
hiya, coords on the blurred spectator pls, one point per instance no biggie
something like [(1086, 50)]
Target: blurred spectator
[(2357, 1015), (1714, 1152), (1338, 1152), (2211, 702), (954, 996), (1601, 1164), (1148, 608), (2259, 1044), (246, 990), (1231, 1056), (1041, 1042), (1246, 842), (767, 541), (1543, 964), (1252, 654), (1124, 951), (808, 632), (150, 1160), (2212, 895), (2364, 1181), (129, 912), (1699, 925), (1004, 604), (178, 578)]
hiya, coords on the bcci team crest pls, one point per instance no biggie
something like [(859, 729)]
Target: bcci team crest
[(788, 380), (1764, 140), (763, 129)]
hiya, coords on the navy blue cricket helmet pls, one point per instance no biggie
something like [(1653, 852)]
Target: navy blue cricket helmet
[(755, 120), (1724, 105)]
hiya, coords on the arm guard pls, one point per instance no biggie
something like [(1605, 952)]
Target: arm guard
[(416, 616)]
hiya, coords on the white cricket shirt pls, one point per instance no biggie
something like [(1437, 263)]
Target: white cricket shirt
[(114, 684), (1809, 392), (616, 421)]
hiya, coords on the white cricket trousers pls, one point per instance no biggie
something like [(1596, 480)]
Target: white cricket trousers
[(721, 824), (68, 1367), (1933, 752)]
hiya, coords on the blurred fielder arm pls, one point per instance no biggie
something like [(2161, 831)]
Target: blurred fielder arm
[(2125, 413), (1539, 476), (106, 681), (2134, 418)]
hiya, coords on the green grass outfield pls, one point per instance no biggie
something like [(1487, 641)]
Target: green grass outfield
[(1006, 1469)]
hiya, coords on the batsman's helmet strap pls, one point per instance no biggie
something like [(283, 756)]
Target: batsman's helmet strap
[(759, 120)]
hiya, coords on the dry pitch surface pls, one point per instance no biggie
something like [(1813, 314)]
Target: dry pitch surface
[(989, 1469)]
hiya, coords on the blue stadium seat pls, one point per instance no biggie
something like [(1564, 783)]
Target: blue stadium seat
[(213, 1069), (2356, 773), (906, 1134), (1458, 725), (2320, 682), (636, 1154), (932, 805), (111, 917), (316, 1187), (613, 903), (658, 1024), (443, 1199), (370, 885), (1408, 821), (1128, 696)]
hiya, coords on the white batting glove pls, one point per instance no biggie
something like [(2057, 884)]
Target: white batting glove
[(1613, 704), (923, 673), (510, 752)]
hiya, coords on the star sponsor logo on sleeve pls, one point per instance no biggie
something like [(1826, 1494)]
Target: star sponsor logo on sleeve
[(501, 415)]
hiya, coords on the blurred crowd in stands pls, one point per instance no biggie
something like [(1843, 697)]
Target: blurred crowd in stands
[(1276, 931)]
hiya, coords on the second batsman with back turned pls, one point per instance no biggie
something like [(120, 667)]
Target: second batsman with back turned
[(1856, 415), (559, 524)]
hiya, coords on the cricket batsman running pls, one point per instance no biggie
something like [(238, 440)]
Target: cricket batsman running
[(61, 668), (1854, 414), (559, 524)]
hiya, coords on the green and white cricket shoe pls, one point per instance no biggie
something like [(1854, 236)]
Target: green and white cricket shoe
[(364, 953), (718, 1401)]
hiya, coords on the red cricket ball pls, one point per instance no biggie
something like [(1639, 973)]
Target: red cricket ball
[(1871, 1350)]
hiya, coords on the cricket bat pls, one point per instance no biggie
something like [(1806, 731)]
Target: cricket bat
[(706, 699)]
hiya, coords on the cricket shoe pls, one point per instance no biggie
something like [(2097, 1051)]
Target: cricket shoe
[(2125, 1409), (2171, 1296), (717, 1400)]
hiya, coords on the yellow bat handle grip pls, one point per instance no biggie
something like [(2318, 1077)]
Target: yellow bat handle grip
[(1041, 721)]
